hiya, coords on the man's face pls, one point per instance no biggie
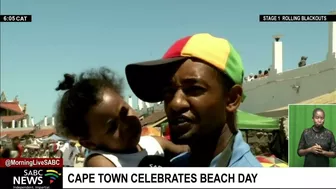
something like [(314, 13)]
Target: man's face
[(195, 102)]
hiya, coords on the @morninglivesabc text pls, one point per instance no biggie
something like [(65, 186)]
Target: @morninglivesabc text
[(32, 162), (31, 173)]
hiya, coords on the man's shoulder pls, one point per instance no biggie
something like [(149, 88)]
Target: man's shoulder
[(247, 160), (251, 160), (242, 155)]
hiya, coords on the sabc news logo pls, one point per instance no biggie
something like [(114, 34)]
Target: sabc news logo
[(53, 175), (36, 177)]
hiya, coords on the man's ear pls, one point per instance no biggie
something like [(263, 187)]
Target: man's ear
[(234, 98)]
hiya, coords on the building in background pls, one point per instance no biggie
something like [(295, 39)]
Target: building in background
[(270, 94), (308, 82), (12, 114), (15, 120)]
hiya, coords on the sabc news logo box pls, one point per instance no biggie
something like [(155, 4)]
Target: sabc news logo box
[(43, 173), (37, 177)]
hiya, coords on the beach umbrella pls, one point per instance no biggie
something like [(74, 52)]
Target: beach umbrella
[(271, 161), (150, 131)]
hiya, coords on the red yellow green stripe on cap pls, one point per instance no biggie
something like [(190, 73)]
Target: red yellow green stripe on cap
[(213, 50), (216, 51)]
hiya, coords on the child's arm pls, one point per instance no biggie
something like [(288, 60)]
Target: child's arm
[(171, 147)]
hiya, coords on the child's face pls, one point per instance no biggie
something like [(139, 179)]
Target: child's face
[(113, 124)]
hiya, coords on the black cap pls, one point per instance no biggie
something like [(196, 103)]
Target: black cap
[(147, 79)]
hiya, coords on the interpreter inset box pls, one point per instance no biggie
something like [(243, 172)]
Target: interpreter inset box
[(312, 130)]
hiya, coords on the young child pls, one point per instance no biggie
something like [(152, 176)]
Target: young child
[(93, 112)]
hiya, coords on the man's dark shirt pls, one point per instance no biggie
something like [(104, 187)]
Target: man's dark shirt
[(324, 138)]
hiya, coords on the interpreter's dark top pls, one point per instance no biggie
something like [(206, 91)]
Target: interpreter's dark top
[(322, 137)]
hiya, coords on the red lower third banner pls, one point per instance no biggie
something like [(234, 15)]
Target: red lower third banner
[(31, 162)]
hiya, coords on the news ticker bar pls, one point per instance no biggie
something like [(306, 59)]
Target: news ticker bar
[(297, 18), (262, 18), (15, 18)]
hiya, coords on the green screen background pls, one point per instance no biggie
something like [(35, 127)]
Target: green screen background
[(300, 118)]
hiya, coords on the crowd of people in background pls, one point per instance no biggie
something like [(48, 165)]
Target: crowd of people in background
[(15, 149), (20, 147), (261, 74)]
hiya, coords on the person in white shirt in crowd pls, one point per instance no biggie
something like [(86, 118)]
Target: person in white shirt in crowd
[(250, 77), (69, 151)]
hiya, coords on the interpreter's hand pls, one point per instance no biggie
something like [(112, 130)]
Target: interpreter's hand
[(322, 152), (318, 146), (316, 149)]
